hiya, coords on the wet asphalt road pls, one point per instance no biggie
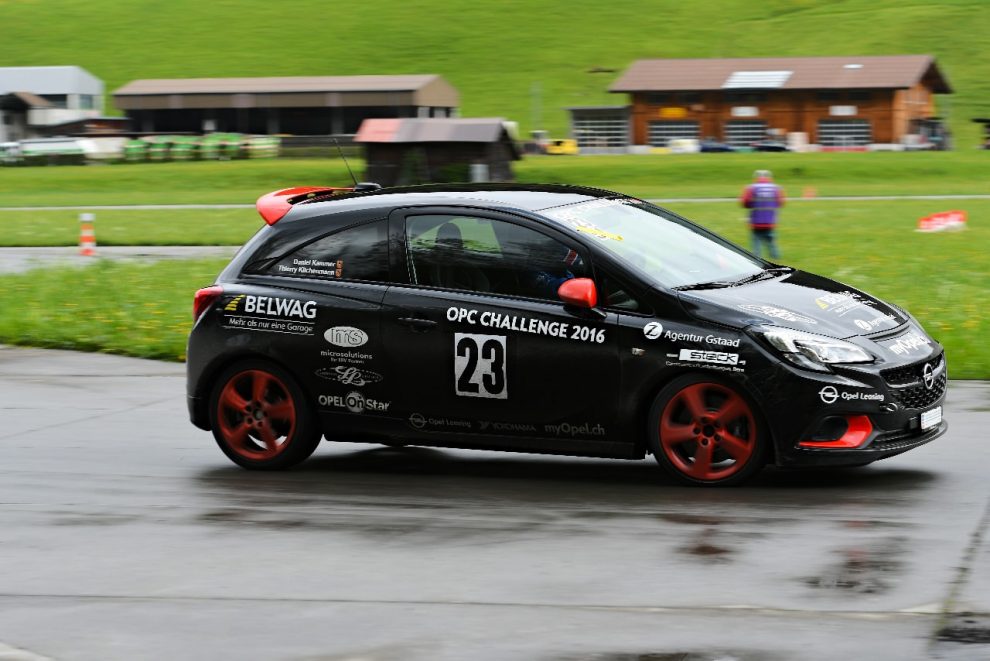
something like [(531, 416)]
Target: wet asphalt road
[(126, 534)]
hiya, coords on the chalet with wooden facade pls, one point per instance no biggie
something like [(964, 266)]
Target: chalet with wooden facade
[(399, 152), (830, 101)]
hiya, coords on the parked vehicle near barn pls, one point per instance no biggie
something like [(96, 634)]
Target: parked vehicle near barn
[(546, 319), (563, 147)]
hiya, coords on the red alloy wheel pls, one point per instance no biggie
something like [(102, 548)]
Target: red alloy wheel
[(708, 432), (256, 415)]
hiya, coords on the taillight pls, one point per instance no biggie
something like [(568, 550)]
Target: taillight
[(204, 298)]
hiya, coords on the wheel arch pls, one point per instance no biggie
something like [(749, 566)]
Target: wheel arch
[(650, 393), (209, 375)]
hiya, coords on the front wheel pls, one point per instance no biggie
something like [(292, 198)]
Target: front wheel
[(704, 431), (260, 417)]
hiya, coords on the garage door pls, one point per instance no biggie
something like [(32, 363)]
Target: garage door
[(844, 132), (600, 130), (743, 134), (663, 132)]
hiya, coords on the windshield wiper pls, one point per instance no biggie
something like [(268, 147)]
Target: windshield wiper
[(714, 284), (753, 277), (762, 275)]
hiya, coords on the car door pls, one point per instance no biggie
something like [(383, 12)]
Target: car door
[(480, 338), (335, 351)]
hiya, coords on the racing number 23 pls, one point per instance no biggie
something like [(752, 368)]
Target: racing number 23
[(479, 366)]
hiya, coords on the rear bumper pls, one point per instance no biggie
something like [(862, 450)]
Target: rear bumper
[(198, 414)]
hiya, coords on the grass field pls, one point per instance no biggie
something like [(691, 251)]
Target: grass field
[(133, 309), (132, 227), (529, 61), (941, 278), (681, 175)]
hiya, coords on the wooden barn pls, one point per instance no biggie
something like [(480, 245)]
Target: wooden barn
[(835, 102), (298, 105), (419, 151)]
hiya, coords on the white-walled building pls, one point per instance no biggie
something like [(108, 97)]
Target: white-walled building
[(35, 97)]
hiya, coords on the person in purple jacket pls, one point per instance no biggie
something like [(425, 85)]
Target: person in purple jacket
[(763, 198)]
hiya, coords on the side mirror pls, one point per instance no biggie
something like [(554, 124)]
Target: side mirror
[(579, 292)]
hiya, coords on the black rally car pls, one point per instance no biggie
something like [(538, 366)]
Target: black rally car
[(546, 319)]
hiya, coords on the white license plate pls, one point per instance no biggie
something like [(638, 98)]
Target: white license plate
[(931, 418)]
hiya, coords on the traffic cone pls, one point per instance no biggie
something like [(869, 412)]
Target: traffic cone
[(87, 235)]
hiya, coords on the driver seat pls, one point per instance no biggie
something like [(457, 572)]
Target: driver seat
[(450, 271)]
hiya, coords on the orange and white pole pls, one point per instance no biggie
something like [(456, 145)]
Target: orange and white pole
[(87, 234)]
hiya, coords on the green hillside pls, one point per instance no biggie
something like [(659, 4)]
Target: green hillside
[(521, 59)]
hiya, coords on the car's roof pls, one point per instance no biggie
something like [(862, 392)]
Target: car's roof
[(524, 197)]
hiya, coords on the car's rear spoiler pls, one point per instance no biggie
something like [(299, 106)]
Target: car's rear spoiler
[(273, 206)]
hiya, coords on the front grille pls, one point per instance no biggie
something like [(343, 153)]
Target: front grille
[(907, 384), (919, 397), (911, 374)]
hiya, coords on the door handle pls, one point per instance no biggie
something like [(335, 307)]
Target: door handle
[(417, 323)]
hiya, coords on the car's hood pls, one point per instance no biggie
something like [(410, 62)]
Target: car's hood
[(798, 300)]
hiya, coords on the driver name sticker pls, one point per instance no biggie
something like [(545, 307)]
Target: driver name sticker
[(479, 366)]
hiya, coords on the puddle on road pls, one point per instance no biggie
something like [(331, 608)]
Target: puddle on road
[(864, 569), (94, 520), (965, 636), (748, 655), (706, 546), (967, 628), (692, 519), (425, 529)]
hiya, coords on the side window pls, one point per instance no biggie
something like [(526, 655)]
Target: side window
[(356, 253), (489, 256), (614, 294)]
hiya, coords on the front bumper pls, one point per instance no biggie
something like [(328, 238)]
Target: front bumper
[(892, 398), (885, 445)]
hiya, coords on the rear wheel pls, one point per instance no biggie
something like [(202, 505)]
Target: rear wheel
[(260, 417), (706, 432)]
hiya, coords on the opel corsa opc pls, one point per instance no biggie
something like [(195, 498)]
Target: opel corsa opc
[(547, 319)]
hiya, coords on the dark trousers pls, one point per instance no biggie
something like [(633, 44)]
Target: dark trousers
[(765, 236)]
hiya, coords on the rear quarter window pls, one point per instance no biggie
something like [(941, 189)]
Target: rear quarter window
[(354, 253)]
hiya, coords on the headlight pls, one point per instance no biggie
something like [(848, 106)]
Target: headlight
[(812, 351)]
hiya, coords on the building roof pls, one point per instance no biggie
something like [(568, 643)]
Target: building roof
[(25, 100), (870, 72), (288, 92), (490, 129), (49, 80), (271, 85)]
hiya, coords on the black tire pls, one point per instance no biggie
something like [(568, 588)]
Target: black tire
[(705, 431), (260, 417)]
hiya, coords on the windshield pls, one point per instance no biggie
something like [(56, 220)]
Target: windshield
[(665, 248)]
